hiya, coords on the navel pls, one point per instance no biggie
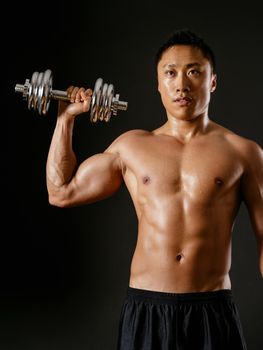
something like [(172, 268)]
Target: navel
[(146, 180), (219, 181), (179, 257)]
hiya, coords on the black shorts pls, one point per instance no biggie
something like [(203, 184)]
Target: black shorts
[(153, 320)]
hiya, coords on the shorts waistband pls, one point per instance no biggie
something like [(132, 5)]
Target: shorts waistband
[(143, 295)]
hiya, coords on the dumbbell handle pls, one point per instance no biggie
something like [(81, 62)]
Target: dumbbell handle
[(62, 95), (59, 95)]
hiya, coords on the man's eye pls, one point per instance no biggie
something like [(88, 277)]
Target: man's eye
[(194, 72), (169, 73)]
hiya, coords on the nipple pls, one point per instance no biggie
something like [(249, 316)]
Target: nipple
[(146, 179), (219, 181)]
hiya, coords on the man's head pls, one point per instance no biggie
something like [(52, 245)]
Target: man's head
[(187, 37), (186, 75)]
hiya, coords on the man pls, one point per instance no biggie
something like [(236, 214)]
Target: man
[(187, 180)]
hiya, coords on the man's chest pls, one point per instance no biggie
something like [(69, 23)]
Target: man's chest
[(199, 170)]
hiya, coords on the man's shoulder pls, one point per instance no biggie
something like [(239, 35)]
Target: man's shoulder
[(127, 139), (240, 142), (246, 149), (133, 133), (247, 146)]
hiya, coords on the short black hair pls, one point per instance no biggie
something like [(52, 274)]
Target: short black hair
[(186, 37)]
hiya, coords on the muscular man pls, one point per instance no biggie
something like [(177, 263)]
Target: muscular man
[(187, 180)]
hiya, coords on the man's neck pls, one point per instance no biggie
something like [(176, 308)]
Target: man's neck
[(185, 130)]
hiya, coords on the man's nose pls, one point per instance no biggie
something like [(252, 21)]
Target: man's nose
[(182, 84)]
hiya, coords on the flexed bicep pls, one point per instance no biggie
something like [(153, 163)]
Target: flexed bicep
[(98, 177)]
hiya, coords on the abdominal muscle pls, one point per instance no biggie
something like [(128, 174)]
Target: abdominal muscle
[(182, 252)]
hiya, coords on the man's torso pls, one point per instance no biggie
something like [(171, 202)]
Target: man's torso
[(186, 198)]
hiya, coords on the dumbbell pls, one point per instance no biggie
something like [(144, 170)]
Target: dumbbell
[(38, 92)]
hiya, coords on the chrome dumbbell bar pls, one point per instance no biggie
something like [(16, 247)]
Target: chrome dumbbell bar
[(38, 92)]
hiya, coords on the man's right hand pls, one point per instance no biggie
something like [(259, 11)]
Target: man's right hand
[(79, 102)]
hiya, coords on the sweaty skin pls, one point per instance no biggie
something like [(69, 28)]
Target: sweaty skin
[(186, 179)]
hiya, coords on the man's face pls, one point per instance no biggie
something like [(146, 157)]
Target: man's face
[(185, 82)]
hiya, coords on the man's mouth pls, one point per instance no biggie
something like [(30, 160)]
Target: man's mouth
[(183, 101)]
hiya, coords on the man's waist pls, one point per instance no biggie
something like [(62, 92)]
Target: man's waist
[(174, 297)]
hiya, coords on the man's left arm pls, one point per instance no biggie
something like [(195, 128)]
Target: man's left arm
[(252, 192)]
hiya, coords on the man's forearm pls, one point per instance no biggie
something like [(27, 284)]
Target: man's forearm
[(61, 161)]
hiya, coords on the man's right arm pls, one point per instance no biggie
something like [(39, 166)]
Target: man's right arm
[(68, 184)]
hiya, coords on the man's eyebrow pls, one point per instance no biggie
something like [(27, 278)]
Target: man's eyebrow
[(189, 65)]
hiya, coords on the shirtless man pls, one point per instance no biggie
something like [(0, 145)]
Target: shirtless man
[(187, 180)]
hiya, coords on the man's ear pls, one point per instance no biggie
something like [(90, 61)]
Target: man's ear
[(213, 83), (158, 85)]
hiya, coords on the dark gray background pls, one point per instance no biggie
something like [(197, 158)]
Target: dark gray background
[(64, 272)]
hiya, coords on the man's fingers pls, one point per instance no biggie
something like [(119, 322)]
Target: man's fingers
[(85, 95), (76, 94)]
